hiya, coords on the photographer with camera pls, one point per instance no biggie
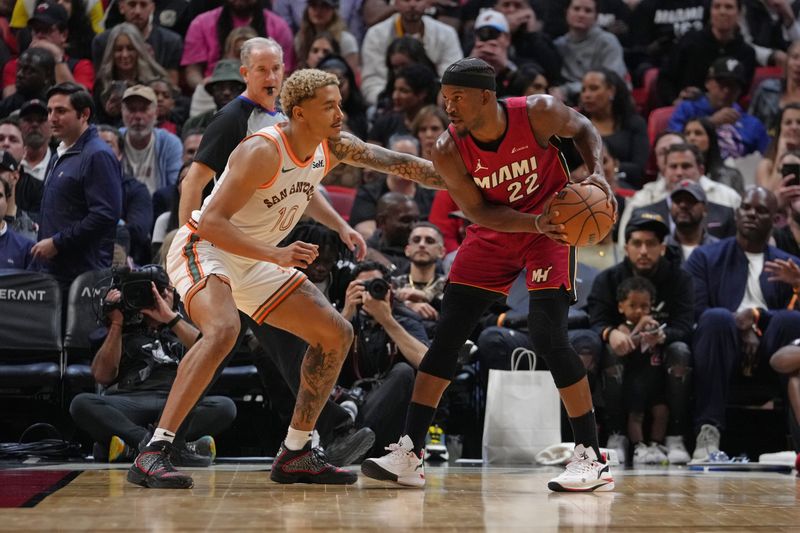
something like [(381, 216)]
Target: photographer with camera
[(389, 344), (144, 341)]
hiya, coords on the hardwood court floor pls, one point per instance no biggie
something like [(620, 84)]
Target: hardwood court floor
[(241, 498)]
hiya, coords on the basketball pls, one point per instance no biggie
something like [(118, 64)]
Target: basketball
[(583, 210)]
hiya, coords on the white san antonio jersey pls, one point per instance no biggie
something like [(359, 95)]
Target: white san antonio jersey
[(277, 205)]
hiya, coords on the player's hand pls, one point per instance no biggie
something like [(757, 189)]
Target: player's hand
[(298, 254), (544, 225), (354, 241), (600, 181)]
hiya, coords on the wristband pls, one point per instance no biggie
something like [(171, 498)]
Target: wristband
[(536, 222), (171, 324)]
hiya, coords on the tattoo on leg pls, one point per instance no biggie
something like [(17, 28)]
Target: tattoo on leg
[(318, 374)]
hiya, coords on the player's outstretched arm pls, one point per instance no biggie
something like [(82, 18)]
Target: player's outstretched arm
[(348, 148), (248, 165)]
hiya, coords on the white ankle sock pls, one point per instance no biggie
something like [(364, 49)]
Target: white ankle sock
[(162, 434), (297, 438)]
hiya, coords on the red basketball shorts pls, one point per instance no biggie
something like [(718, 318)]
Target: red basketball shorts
[(492, 260)]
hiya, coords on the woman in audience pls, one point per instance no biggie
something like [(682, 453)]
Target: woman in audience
[(429, 123), (415, 86), (530, 79), (235, 41), (402, 52), (322, 45), (323, 16), (703, 134), (773, 94), (353, 104), (126, 58), (787, 137), (607, 102)]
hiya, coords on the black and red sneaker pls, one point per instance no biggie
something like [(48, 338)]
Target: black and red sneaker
[(308, 465), (153, 469)]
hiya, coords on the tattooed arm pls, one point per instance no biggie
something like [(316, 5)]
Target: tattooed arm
[(350, 149)]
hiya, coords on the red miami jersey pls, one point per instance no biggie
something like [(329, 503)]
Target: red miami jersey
[(524, 176), (520, 174)]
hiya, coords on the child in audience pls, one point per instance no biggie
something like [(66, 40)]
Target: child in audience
[(644, 382)]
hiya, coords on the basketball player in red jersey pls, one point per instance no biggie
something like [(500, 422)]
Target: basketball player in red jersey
[(227, 258), (501, 168)]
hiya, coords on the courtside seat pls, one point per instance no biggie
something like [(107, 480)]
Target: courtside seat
[(30, 334), (83, 311), (238, 382)]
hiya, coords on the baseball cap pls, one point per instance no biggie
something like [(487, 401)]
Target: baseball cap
[(692, 188), (490, 24), (647, 221), (7, 161), (226, 70), (50, 13), (33, 106), (142, 91), (727, 68)]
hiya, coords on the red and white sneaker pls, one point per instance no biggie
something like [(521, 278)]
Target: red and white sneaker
[(583, 474), (400, 465)]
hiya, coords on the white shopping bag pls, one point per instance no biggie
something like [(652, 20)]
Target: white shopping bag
[(522, 413)]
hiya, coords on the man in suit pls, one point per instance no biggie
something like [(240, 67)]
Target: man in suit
[(742, 316), (685, 163)]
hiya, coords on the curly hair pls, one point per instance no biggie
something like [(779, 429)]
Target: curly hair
[(302, 85)]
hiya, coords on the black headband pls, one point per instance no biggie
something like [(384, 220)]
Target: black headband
[(469, 79)]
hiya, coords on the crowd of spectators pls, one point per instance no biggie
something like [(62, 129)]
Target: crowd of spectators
[(111, 112)]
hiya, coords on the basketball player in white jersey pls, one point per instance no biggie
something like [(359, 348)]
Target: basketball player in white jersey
[(227, 257)]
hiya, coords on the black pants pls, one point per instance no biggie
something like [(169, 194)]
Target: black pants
[(127, 415), (384, 408)]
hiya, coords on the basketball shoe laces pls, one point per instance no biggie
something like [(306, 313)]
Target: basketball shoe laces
[(398, 454), (318, 460), (581, 464)]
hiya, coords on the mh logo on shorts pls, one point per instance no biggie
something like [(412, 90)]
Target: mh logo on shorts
[(540, 275)]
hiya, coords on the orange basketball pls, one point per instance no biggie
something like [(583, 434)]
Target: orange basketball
[(583, 210)]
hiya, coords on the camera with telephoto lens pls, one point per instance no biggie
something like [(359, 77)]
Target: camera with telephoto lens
[(378, 288), (135, 288)]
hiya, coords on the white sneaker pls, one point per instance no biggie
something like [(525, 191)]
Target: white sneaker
[(656, 454), (640, 453), (778, 458), (401, 465), (619, 443), (583, 474), (707, 443), (676, 451)]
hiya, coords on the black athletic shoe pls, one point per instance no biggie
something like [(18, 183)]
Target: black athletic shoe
[(153, 469), (308, 465), (351, 447)]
